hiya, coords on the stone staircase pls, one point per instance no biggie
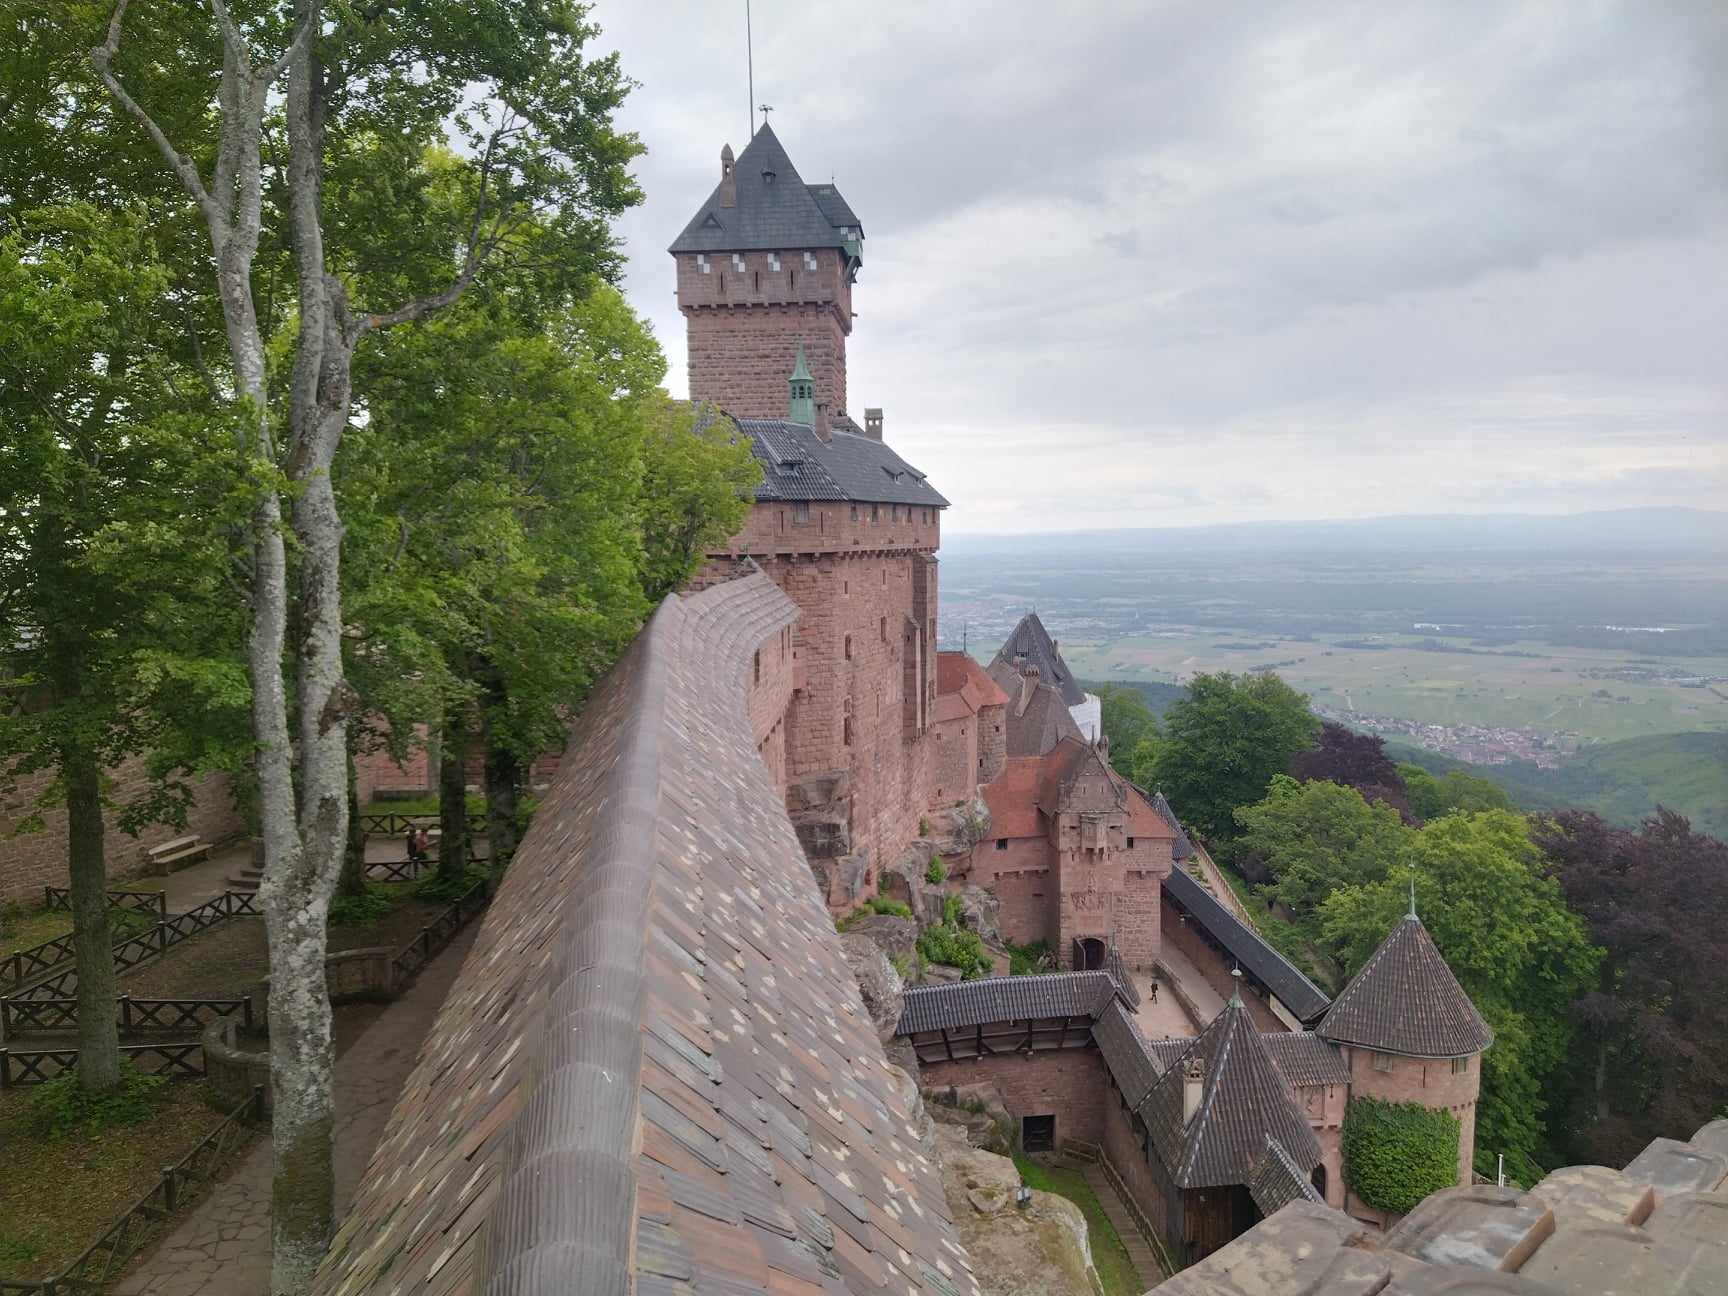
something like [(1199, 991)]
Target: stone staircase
[(245, 878), (1145, 1259)]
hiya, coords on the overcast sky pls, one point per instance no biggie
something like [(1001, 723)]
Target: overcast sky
[(1137, 264)]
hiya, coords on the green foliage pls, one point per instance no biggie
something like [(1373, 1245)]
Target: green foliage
[(1305, 840), (1116, 1271), (60, 1107), (1395, 1154), (957, 948), (951, 911), (1288, 938), (1223, 743), (893, 908), (1505, 930), (1029, 959), (1432, 796), (1127, 720), (936, 874), (371, 905), (15, 1252), (435, 886)]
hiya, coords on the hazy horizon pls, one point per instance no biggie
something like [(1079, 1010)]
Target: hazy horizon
[(1190, 264)]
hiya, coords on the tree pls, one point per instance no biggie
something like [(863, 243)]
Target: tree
[(1132, 730), (1517, 950), (1656, 1019), (1356, 760), (1223, 743), (697, 482), (1304, 841), (1432, 796), (543, 172), (112, 600)]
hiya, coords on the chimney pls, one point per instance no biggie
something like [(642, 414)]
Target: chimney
[(823, 431), (728, 178), (1028, 686), (873, 423), (1193, 1082)]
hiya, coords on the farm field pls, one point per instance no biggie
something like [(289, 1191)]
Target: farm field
[(1597, 695)]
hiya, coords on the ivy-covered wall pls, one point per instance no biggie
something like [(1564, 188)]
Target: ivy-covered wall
[(1395, 1154)]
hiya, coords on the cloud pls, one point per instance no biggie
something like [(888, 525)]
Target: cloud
[(1220, 262)]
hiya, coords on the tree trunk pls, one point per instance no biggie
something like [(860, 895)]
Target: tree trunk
[(92, 936), (353, 879), (503, 774), (453, 795)]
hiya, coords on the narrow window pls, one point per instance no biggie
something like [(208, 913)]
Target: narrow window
[(1001, 843), (847, 737), (1382, 1061), (884, 629), (875, 514), (757, 657), (895, 516), (1130, 843), (756, 275), (848, 647), (1460, 1065)]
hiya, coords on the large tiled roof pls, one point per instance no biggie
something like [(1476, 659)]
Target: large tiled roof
[(1045, 720), (958, 672), (1306, 1059), (960, 1004), (1406, 1000), (654, 1072), (799, 465), (1031, 640), (1300, 995), (1183, 849), (781, 214), (1243, 1099), (1013, 798), (1129, 1055), (1276, 1180)]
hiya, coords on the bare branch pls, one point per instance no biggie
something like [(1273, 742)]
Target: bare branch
[(420, 307), (302, 38), (101, 58)]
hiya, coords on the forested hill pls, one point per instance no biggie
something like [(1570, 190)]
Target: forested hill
[(1622, 781)]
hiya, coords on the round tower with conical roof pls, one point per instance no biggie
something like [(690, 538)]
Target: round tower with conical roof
[(1409, 1033)]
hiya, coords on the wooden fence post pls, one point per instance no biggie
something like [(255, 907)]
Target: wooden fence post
[(168, 1192)]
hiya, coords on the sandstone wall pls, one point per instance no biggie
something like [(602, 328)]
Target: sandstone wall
[(1429, 1081), (1070, 1084), (34, 860), (1214, 968)]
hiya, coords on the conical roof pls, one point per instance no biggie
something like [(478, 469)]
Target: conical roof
[(1406, 1000), (1032, 641), (773, 209), (1244, 1099)]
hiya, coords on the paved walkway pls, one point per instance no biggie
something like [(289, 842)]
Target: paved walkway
[(1133, 1240), (1198, 989), (1161, 1017), (223, 1247)]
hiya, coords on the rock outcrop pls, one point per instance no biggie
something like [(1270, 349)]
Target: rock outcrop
[(878, 982)]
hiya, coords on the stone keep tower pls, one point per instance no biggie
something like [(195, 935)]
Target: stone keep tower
[(1409, 1033), (766, 265)]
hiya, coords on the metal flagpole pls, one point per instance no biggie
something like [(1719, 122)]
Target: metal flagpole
[(750, 61)]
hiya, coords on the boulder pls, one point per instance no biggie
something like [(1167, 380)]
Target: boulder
[(982, 912), (955, 830), (898, 937), (878, 982)]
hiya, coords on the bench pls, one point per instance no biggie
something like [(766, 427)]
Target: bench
[(176, 854)]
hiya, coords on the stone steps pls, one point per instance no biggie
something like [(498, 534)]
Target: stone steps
[(1139, 1251)]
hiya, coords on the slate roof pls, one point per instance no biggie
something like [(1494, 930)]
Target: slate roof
[(1406, 1000), (1306, 1059), (1276, 1180), (654, 1072), (960, 1004), (798, 465), (1184, 849), (1300, 995), (782, 214), (1128, 1053), (1033, 641), (1045, 720), (1243, 1098)]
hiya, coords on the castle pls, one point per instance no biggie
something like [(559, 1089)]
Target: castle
[(655, 1071)]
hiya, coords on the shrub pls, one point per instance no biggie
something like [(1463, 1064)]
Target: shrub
[(1026, 960), (893, 908), (436, 886), (936, 874), (368, 907), (60, 1107), (951, 912), (1395, 1154), (955, 947), (923, 827)]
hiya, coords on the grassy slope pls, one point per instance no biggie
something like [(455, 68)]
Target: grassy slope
[(1115, 1270), (1622, 781)]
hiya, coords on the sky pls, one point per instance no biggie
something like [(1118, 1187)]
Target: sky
[(1155, 264)]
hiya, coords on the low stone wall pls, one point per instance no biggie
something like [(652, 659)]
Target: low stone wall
[(230, 1065)]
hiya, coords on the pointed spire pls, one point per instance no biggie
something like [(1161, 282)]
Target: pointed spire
[(1406, 1000), (801, 393), (1413, 896), (1236, 987)]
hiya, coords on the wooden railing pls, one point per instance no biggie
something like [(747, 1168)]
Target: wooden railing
[(32, 974), (438, 933), (22, 1016), (394, 825), (38, 1066), (151, 904), (102, 1261)]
